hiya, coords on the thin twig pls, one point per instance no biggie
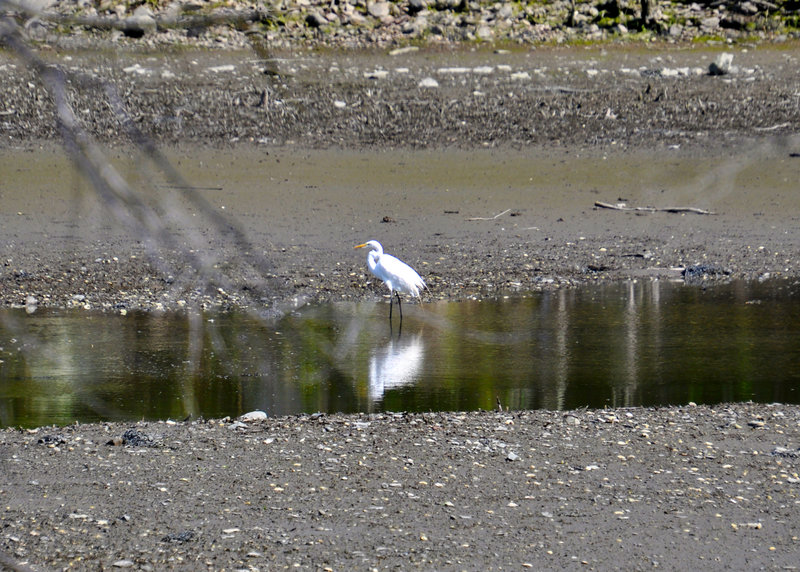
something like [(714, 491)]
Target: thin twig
[(498, 215), (623, 207), (773, 127)]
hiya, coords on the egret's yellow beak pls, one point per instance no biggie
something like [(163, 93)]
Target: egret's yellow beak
[(360, 246)]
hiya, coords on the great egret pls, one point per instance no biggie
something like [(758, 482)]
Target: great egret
[(396, 274)]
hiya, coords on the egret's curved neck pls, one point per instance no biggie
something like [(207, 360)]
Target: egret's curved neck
[(372, 258)]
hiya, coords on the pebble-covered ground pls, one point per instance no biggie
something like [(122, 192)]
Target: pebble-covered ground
[(677, 488)]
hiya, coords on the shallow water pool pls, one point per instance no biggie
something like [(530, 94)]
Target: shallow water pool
[(636, 343)]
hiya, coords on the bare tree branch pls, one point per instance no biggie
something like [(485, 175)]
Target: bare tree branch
[(151, 219)]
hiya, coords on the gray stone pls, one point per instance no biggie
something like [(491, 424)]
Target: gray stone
[(416, 6), (378, 9), (721, 65), (139, 23), (316, 20), (253, 416)]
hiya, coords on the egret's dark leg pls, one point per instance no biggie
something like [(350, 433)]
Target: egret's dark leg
[(399, 306)]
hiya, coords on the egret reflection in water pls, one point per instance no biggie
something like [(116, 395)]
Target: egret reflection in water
[(395, 364)]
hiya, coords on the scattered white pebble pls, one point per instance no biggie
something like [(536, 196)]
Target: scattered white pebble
[(253, 416), (376, 74), (428, 82), (137, 69), (225, 68)]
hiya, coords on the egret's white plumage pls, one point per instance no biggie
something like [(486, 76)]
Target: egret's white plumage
[(396, 274)]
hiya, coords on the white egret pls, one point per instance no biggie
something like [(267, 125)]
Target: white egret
[(396, 274)]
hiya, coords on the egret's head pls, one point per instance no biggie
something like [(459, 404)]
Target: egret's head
[(372, 245)]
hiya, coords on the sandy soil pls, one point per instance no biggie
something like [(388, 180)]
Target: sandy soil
[(678, 488)]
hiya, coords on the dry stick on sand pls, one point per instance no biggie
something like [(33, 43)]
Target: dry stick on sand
[(622, 207), (498, 215)]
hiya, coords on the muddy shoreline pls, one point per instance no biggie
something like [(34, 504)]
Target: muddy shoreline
[(288, 172)]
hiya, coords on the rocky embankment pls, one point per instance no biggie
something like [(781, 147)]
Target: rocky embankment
[(360, 23)]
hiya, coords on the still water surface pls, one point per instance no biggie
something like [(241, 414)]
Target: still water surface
[(634, 343)]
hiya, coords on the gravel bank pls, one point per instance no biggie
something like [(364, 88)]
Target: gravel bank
[(675, 488)]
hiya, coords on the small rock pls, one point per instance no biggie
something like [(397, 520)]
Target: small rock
[(721, 65), (123, 564), (35, 5), (785, 452), (748, 8), (484, 32), (214, 69), (141, 22), (512, 456), (378, 9), (179, 537), (256, 415), (316, 20), (428, 82), (415, 6), (505, 12), (404, 50)]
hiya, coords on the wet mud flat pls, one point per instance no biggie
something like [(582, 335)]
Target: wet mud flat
[(474, 223), (481, 166), (674, 487)]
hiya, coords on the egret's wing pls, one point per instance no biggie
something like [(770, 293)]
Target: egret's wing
[(399, 274)]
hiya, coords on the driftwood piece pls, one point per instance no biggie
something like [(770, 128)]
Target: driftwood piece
[(624, 207), (498, 215)]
